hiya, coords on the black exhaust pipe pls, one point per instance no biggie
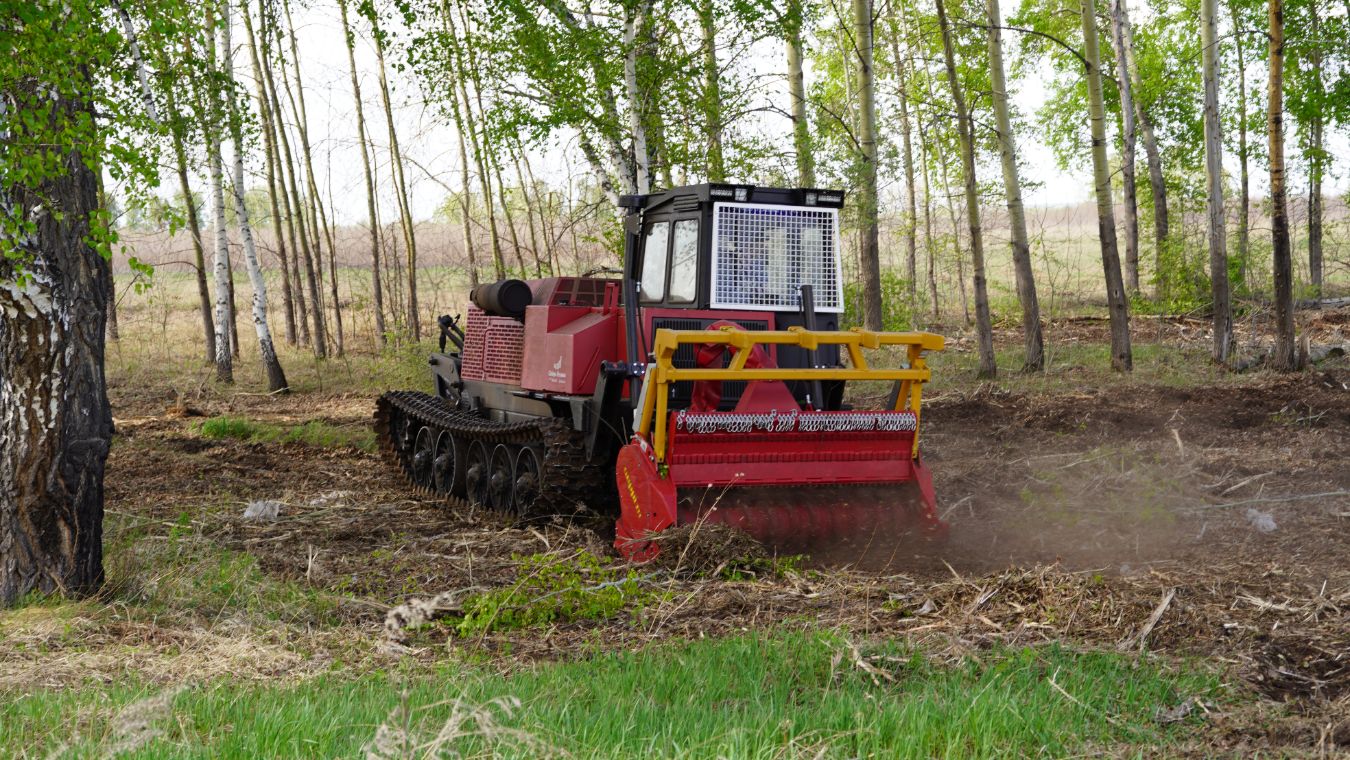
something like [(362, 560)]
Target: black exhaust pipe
[(504, 298)]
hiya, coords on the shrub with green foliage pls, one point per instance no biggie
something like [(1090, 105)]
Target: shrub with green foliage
[(312, 433), (553, 589), (895, 306)]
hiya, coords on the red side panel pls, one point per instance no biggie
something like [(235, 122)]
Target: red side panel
[(564, 346)]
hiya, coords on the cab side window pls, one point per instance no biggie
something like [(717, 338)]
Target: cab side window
[(684, 262), (655, 251)]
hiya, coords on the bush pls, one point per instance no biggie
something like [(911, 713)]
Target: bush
[(896, 315), (550, 589)]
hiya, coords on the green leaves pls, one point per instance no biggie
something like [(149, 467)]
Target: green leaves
[(71, 92)]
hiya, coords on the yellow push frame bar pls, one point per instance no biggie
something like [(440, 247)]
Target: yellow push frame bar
[(662, 372)]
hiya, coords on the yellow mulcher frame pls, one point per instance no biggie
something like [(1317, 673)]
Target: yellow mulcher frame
[(662, 372)]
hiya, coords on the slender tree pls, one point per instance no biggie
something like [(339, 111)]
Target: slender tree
[(269, 157), (276, 377), (516, 150), (984, 326), (793, 19), (868, 206), (1244, 192), (178, 126), (213, 116), (1121, 356), (1128, 137), (400, 183), (377, 290), (1218, 239), (1012, 187), (295, 213), (1152, 155), (1315, 147), (712, 90), (478, 142), (1286, 353)]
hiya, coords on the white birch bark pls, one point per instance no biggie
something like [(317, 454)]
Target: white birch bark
[(276, 378), (221, 266), (636, 101)]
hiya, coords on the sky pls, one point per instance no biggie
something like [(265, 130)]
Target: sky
[(432, 148)]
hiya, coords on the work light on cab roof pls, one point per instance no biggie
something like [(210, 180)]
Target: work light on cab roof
[(707, 383)]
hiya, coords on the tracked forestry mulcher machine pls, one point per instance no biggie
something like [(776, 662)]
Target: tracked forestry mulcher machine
[(705, 383)]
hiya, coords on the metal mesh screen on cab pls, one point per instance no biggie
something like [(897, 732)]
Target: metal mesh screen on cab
[(763, 253)]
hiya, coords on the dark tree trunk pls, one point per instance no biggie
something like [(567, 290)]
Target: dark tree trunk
[(1122, 359), (1286, 354), (54, 415), (984, 328)]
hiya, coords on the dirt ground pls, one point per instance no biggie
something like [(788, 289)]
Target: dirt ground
[(1209, 521)]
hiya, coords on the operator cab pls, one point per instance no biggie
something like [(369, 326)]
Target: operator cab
[(702, 254)]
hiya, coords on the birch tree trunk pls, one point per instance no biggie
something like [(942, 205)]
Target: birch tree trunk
[(801, 128), (1012, 187), (377, 289), (54, 415), (636, 99), (1128, 137), (276, 377), (270, 157), (1122, 359), (712, 91), (984, 326), (211, 130), (400, 186), (867, 185), (1244, 219), (1218, 237), (1156, 182), (1286, 353)]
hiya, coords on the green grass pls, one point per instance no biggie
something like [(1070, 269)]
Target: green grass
[(759, 695), (312, 433)]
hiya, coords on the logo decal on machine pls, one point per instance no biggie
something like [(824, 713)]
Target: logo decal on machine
[(556, 374)]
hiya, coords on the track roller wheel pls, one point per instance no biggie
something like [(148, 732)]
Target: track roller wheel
[(527, 480), (476, 473), (448, 466), (500, 480), (423, 453)]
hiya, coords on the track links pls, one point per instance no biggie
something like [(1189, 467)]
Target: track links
[(570, 483)]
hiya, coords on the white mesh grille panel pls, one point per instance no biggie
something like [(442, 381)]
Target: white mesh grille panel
[(763, 253)]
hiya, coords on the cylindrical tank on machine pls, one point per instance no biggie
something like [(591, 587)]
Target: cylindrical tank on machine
[(504, 298)]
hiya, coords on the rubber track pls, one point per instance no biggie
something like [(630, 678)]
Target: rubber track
[(571, 484)]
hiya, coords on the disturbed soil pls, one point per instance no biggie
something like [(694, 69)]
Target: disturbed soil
[(1209, 522)]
